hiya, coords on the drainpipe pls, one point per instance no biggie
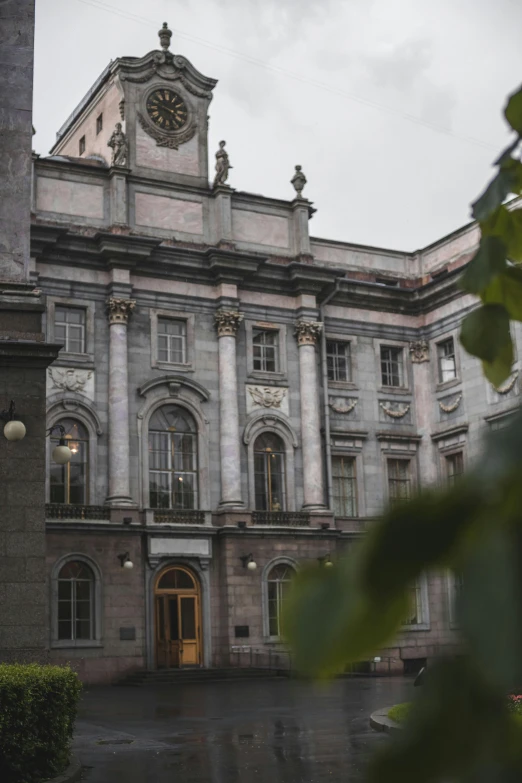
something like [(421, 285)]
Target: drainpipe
[(329, 482)]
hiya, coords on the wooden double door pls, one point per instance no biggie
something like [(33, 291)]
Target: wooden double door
[(178, 635)]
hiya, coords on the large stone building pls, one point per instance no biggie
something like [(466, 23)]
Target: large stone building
[(233, 390)]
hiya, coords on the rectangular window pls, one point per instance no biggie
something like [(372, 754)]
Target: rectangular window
[(454, 467), (414, 594), (265, 350), (69, 328), (99, 123), (338, 361), (81, 146), (399, 479), (446, 360), (344, 486), (173, 470), (172, 341), (392, 371)]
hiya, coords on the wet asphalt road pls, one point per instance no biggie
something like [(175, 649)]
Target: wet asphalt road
[(267, 731)]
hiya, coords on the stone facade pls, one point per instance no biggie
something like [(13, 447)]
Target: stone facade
[(339, 363), (24, 357)]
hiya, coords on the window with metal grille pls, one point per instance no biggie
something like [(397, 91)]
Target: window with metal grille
[(68, 483), (269, 473), (99, 123), (392, 370), (344, 486), (399, 479), (446, 360), (81, 145), (265, 343), (454, 466), (69, 328), (278, 582), (173, 459), (172, 341), (75, 601), (338, 361)]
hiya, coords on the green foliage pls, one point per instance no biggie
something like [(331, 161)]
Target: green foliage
[(38, 707), (400, 712), (460, 727)]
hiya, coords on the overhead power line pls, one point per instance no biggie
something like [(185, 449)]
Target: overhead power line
[(103, 6)]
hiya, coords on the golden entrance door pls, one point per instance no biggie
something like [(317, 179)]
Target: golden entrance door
[(177, 606)]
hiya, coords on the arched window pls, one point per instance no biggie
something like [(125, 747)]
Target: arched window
[(269, 473), (75, 602), (69, 483), (173, 459), (277, 581)]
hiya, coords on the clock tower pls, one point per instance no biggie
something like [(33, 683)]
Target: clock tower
[(156, 107)]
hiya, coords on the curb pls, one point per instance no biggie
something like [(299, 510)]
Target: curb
[(71, 774), (380, 722)]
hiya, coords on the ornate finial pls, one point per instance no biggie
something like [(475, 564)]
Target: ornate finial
[(119, 310), (298, 181), (222, 165), (227, 322), (165, 35), (307, 332)]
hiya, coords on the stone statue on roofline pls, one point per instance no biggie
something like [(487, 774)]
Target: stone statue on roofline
[(120, 147), (298, 181), (222, 165)]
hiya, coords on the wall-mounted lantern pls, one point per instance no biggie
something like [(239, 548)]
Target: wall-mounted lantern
[(125, 561), (248, 562), (13, 429)]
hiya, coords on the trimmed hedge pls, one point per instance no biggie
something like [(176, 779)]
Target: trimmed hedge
[(38, 706)]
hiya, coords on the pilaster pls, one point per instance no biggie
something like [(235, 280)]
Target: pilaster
[(227, 324), (119, 312), (222, 195), (118, 189), (307, 333)]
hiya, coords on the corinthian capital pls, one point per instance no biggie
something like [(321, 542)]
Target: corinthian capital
[(307, 332), (119, 310), (227, 322)]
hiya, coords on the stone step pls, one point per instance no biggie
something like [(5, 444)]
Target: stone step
[(180, 676)]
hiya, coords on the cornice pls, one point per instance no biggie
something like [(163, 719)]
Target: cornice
[(153, 257)]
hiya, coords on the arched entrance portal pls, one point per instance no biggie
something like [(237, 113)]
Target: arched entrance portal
[(177, 603)]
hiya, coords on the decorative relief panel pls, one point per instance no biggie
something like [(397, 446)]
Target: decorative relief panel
[(343, 405), (68, 379), (419, 351), (450, 406), (275, 397), (508, 390), (392, 411)]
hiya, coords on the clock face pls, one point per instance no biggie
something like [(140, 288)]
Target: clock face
[(166, 109)]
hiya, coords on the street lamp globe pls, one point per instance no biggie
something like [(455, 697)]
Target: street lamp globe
[(62, 454), (14, 430)]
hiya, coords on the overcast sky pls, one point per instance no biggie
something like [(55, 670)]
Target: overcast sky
[(392, 107)]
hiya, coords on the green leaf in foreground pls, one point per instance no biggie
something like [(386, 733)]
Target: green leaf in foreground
[(485, 331), (495, 194), (457, 726), (489, 607), (506, 290), (513, 111), (416, 536), (489, 261), (347, 625)]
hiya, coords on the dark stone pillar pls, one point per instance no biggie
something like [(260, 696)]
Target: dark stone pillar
[(24, 357)]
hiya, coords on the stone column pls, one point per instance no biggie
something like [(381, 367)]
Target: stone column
[(119, 311), (420, 358), (227, 323), (307, 333)]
